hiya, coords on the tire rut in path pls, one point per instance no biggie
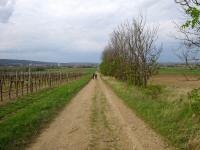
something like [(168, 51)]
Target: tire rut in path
[(103, 132)]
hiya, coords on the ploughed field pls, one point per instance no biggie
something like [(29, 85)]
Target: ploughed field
[(177, 81)]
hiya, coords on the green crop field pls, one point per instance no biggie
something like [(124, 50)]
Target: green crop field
[(179, 70)]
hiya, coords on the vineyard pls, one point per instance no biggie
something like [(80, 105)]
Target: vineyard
[(16, 84)]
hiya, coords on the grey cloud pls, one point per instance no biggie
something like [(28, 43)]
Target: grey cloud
[(6, 10), (3, 2)]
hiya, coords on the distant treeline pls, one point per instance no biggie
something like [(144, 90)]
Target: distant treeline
[(22, 69), (11, 63)]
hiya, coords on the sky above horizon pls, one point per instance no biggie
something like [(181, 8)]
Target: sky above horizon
[(77, 30)]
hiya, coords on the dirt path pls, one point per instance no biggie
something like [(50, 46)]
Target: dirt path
[(71, 129), (96, 119), (139, 135)]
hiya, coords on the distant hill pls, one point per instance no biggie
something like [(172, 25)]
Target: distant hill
[(15, 62), (78, 64)]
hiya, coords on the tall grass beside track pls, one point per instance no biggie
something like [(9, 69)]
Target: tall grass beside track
[(23, 119), (175, 120)]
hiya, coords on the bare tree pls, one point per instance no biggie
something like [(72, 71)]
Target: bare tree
[(134, 52)]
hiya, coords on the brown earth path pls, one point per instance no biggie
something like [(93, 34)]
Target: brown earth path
[(96, 119)]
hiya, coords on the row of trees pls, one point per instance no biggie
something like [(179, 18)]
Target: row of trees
[(131, 53)]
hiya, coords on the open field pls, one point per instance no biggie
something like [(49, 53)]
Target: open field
[(177, 81), (178, 70), (176, 85)]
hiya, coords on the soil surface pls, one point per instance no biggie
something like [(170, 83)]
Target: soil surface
[(176, 80), (96, 119)]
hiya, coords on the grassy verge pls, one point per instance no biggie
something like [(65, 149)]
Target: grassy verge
[(22, 120), (174, 120)]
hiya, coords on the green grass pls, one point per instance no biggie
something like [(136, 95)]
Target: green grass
[(23, 119), (65, 69), (179, 70), (174, 120)]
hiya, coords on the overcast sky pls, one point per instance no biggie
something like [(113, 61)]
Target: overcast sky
[(76, 30)]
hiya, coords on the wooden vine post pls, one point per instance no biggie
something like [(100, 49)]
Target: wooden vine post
[(15, 84)]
